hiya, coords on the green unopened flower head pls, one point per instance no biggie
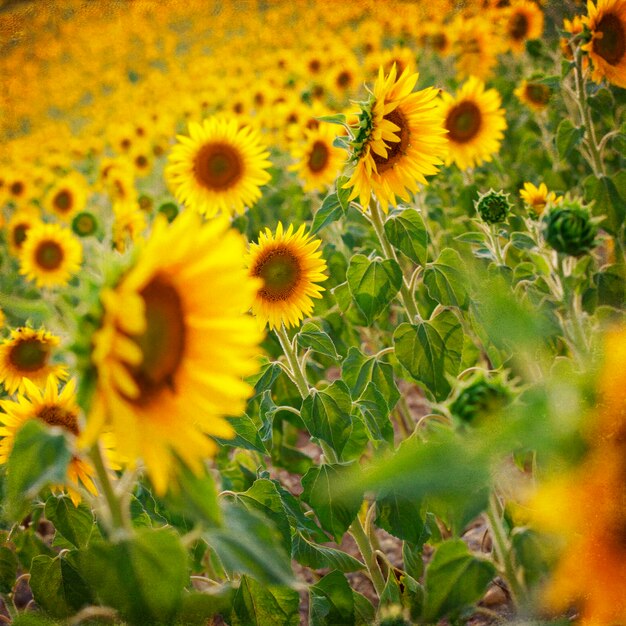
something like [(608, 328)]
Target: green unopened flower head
[(85, 224), (481, 398), (493, 206), (570, 229), (170, 210)]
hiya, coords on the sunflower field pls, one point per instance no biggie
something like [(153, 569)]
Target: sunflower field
[(312, 312)]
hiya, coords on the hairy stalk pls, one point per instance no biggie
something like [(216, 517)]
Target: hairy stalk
[(502, 549), (292, 358), (118, 519), (368, 554), (406, 295)]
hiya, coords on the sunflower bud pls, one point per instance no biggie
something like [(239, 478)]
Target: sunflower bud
[(170, 210), (570, 229), (493, 206), (85, 224), (480, 399)]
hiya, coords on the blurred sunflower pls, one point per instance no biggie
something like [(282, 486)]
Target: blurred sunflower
[(607, 49), (290, 267), (523, 21), (51, 255), (318, 161), (475, 123), (54, 409), (174, 345), (67, 196), (399, 140), (25, 354), (17, 228), (129, 223), (534, 95), (219, 168), (536, 198)]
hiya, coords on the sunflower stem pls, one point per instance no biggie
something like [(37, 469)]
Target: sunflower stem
[(292, 358), (118, 521), (585, 112), (406, 294), (365, 548), (503, 551)]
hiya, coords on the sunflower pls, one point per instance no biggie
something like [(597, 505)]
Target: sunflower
[(534, 95), (475, 45), (319, 162), (17, 228), (67, 197), (400, 140), (475, 124), (523, 21), (219, 167), (25, 354), (291, 268), (536, 198), (54, 409), (174, 345), (607, 49), (129, 223), (51, 255)]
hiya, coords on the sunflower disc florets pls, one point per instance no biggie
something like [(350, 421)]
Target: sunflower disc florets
[(569, 228), (493, 206)]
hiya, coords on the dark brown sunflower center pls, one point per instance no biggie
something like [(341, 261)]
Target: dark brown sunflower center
[(344, 79), (63, 200), (19, 234), (318, 158), (518, 26), (141, 161), (463, 122), (17, 188), (537, 93), (54, 415), (218, 166), (125, 144), (612, 45), (439, 41), (163, 342), (397, 149), (29, 355), (280, 270), (315, 65), (49, 255)]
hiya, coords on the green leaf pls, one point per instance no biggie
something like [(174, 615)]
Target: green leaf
[(431, 350), (407, 232), (249, 544), (373, 284), (335, 514), (375, 411), (359, 371), (8, 569), (330, 211), (263, 496), (57, 586), (343, 194), (143, 576), (258, 605), (312, 336), (247, 435), (568, 137), (297, 518), (39, 458), (401, 517), (609, 199), (522, 241), (197, 608), (534, 553), (74, 523), (364, 612), (455, 579), (446, 281), (337, 118), (29, 545), (317, 557), (326, 414), (194, 497), (332, 602), (270, 371)]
